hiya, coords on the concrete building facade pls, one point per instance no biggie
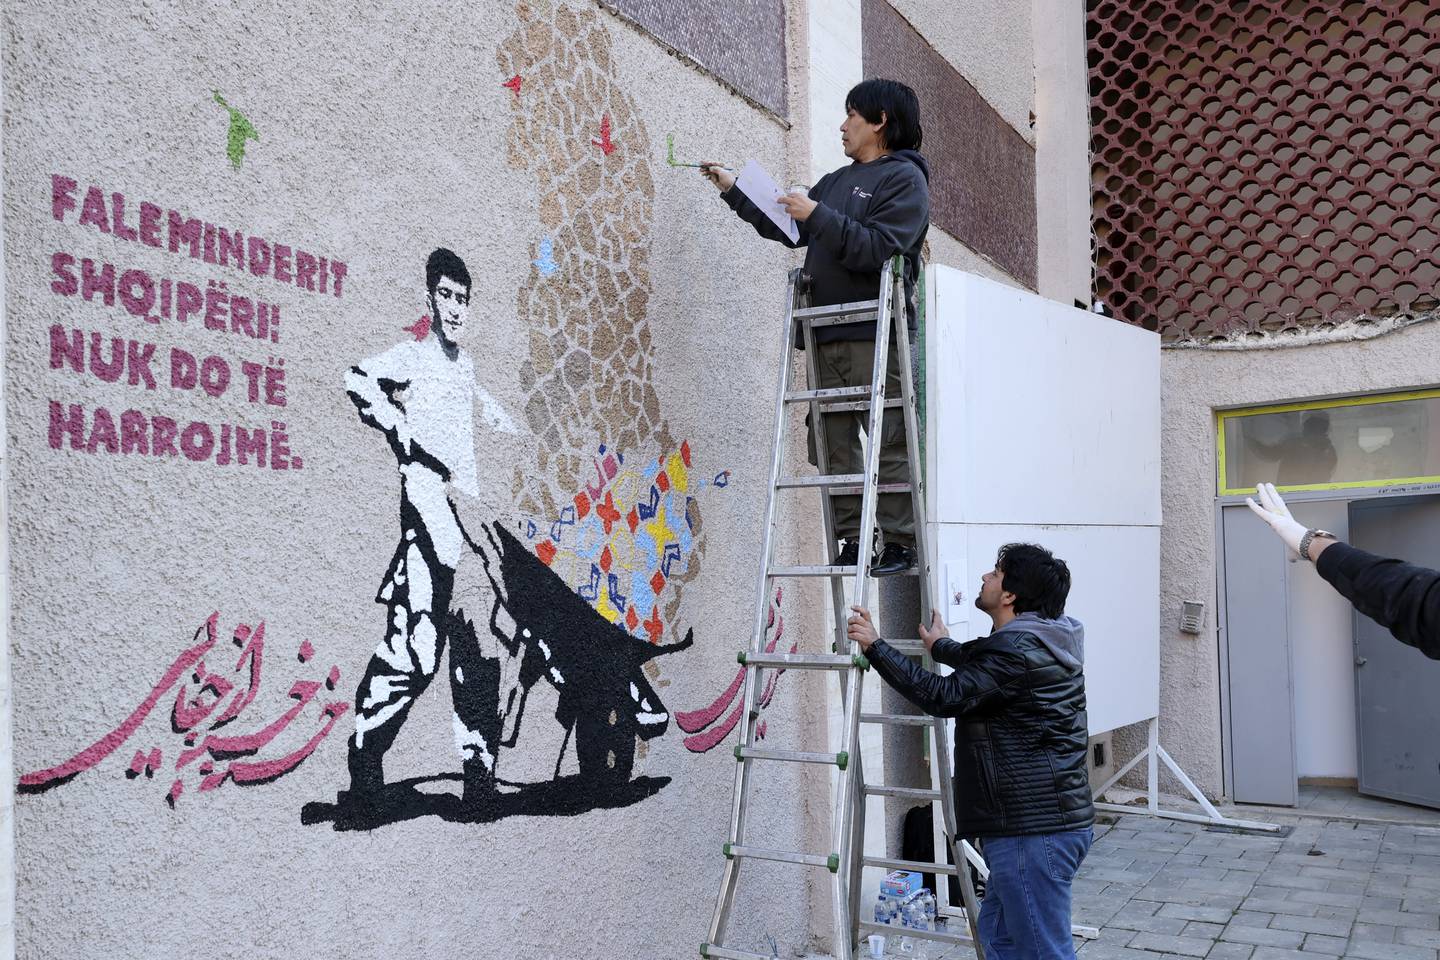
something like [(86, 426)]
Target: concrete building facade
[(217, 225)]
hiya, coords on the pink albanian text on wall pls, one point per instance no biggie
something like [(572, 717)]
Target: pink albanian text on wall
[(205, 755), (246, 327)]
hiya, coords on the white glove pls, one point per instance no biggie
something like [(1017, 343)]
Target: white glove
[(1273, 511)]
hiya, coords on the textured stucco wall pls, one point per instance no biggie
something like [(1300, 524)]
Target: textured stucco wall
[(610, 294), (1194, 384), (990, 44)]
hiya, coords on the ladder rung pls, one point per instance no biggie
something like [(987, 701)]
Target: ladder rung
[(813, 571), (898, 719), (850, 490), (901, 793), (823, 480), (829, 393), (859, 405), (841, 759), (836, 310), (804, 661), (914, 866), (894, 930), (842, 319), (725, 953), (830, 862)]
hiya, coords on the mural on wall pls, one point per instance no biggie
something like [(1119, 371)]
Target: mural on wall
[(580, 587), (198, 712)]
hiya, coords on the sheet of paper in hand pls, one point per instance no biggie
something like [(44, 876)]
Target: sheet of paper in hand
[(763, 191)]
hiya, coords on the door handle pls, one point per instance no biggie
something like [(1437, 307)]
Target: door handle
[(1360, 661)]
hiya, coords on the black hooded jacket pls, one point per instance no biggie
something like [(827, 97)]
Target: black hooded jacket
[(1018, 699), (1403, 598), (865, 214)]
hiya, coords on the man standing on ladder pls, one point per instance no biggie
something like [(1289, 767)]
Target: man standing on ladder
[(851, 222), (1021, 785)]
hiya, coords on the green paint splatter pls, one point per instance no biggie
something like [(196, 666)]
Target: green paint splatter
[(240, 130)]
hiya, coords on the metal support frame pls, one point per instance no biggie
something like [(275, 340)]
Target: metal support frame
[(1154, 755)]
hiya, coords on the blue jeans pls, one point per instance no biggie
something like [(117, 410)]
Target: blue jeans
[(1026, 913)]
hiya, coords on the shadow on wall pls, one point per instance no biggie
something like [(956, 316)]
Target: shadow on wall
[(417, 797)]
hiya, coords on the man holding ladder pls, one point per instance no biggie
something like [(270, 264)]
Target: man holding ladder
[(851, 223)]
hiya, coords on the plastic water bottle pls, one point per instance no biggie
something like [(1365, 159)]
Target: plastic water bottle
[(929, 906), (882, 910)]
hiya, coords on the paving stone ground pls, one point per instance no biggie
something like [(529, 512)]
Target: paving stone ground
[(1331, 888)]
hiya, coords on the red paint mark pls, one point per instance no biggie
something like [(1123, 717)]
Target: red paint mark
[(657, 582), (764, 725), (604, 143), (606, 512), (693, 721), (254, 650), (514, 84), (663, 482), (606, 560), (545, 550), (302, 691), (176, 788), (333, 678), (685, 452), (420, 329), (261, 771), (582, 506), (145, 763), (701, 742), (307, 650), (188, 713), (102, 748), (631, 619), (633, 519), (655, 627)]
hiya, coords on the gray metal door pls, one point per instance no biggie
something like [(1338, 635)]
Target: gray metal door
[(1397, 688), (1257, 639)]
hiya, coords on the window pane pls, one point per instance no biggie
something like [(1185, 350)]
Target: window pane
[(1367, 443)]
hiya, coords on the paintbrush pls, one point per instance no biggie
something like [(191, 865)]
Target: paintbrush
[(670, 154)]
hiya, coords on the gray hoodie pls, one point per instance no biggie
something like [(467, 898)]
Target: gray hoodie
[(1065, 637), (865, 214)]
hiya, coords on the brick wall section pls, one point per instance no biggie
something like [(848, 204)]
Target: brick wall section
[(982, 171), (741, 42)]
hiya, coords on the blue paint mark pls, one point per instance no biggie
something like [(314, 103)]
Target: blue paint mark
[(546, 262)]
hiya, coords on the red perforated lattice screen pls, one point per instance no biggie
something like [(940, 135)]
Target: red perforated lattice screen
[(1263, 166)]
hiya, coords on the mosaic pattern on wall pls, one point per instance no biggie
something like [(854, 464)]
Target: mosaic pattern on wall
[(1264, 166), (741, 42), (982, 187), (589, 368)]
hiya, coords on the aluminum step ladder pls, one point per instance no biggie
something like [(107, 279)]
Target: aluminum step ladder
[(844, 859)]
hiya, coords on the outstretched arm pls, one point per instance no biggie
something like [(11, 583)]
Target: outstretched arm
[(979, 686), (746, 210), (1402, 597)]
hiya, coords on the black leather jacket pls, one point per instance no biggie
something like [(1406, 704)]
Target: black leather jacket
[(1020, 735)]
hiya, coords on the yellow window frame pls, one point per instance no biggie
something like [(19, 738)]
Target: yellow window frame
[(1222, 417)]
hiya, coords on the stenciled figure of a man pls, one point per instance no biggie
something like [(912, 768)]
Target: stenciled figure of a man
[(421, 394)]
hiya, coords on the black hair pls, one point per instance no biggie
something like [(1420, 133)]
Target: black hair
[(889, 100), (445, 263), (1039, 580)]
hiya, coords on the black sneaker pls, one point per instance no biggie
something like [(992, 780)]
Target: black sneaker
[(849, 554), (893, 559)]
